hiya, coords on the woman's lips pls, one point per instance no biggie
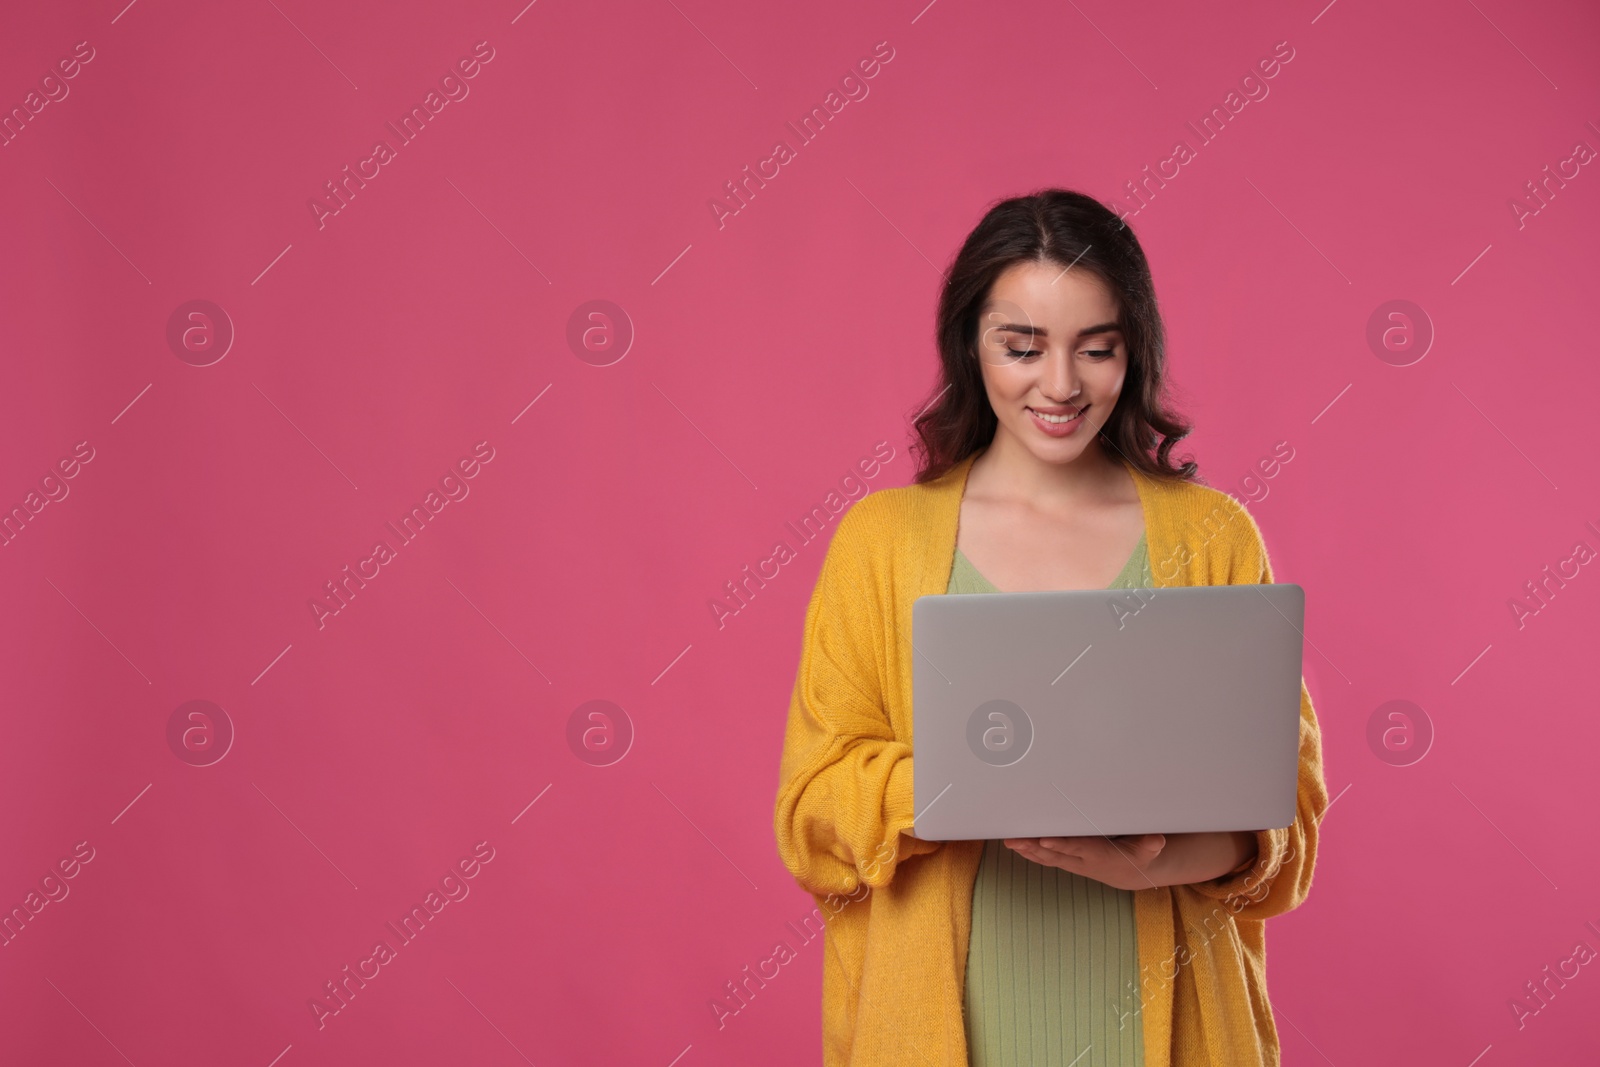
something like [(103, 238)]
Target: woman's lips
[(1057, 429)]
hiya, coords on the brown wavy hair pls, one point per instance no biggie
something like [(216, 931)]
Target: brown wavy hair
[(1067, 229)]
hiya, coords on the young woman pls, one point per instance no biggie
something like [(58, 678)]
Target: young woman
[(1044, 466)]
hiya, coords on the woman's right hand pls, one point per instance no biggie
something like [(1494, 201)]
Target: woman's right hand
[(1120, 862)]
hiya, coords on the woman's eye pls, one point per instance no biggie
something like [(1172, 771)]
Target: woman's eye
[(1096, 353)]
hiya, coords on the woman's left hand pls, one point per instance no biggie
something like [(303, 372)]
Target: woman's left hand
[(1120, 862)]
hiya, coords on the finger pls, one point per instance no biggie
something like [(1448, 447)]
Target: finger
[(1047, 857), (1142, 842), (1028, 852), (1034, 850), (1072, 846)]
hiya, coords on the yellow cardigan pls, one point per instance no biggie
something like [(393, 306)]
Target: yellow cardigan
[(898, 909)]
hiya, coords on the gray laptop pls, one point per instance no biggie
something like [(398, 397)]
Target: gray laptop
[(1106, 711)]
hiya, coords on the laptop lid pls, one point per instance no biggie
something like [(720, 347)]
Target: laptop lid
[(1106, 711)]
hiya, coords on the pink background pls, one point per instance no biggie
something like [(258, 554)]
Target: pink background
[(770, 354)]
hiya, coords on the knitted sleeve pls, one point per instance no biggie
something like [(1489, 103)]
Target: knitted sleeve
[(1280, 878), (844, 806)]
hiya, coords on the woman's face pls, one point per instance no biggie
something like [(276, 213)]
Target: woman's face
[(1049, 345)]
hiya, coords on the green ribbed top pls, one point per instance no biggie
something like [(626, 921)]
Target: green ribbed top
[(1053, 963)]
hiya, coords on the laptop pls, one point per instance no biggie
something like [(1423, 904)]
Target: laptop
[(1106, 711)]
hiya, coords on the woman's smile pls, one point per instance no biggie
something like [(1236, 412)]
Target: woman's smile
[(1057, 425)]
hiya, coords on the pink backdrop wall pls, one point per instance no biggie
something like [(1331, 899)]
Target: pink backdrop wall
[(429, 322)]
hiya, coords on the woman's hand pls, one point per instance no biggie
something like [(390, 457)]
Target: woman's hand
[(1142, 861), (1120, 862)]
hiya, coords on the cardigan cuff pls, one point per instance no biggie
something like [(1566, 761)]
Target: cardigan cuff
[(899, 804)]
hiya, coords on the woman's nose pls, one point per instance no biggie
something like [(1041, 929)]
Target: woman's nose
[(1058, 374)]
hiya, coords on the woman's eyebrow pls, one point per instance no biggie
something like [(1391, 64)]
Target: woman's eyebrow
[(1040, 331)]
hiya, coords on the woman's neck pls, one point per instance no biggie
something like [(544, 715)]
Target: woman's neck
[(1007, 470)]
